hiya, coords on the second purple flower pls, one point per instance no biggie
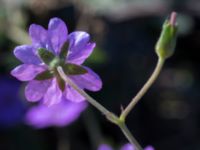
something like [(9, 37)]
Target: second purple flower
[(49, 49)]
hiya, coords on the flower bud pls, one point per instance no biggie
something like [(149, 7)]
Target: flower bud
[(167, 40)]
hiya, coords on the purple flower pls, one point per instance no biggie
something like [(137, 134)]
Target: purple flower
[(60, 114), (149, 148), (127, 147), (104, 147), (49, 49), (124, 147)]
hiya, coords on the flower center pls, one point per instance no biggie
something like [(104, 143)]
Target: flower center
[(53, 61)]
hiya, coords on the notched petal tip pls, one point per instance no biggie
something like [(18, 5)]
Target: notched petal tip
[(80, 47), (25, 53), (78, 38), (38, 34), (57, 34), (55, 23)]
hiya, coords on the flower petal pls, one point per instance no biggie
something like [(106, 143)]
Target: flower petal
[(35, 89), (26, 54), (38, 116), (72, 95), (104, 147), (38, 35), (27, 72), (149, 148), (66, 112), (60, 114), (127, 147), (53, 94), (79, 48), (90, 81), (57, 32)]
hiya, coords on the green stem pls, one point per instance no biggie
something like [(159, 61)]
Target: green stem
[(144, 89), (109, 115), (129, 136)]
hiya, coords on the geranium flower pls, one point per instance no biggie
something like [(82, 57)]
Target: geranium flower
[(124, 147), (105, 147), (49, 49), (61, 114), (130, 147)]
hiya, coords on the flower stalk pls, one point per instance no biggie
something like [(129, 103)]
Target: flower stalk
[(164, 49), (144, 89), (129, 136), (109, 115)]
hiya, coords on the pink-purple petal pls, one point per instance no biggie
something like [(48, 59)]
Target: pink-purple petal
[(38, 35), (25, 53), (35, 89), (149, 148), (53, 94), (67, 112), (60, 114), (27, 72), (104, 147), (90, 81), (80, 48), (57, 32), (127, 147), (72, 95), (38, 117)]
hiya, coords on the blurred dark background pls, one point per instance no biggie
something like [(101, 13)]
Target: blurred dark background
[(167, 117)]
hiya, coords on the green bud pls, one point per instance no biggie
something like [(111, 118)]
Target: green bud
[(167, 41), (73, 69)]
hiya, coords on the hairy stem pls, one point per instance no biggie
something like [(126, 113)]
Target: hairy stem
[(144, 89)]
